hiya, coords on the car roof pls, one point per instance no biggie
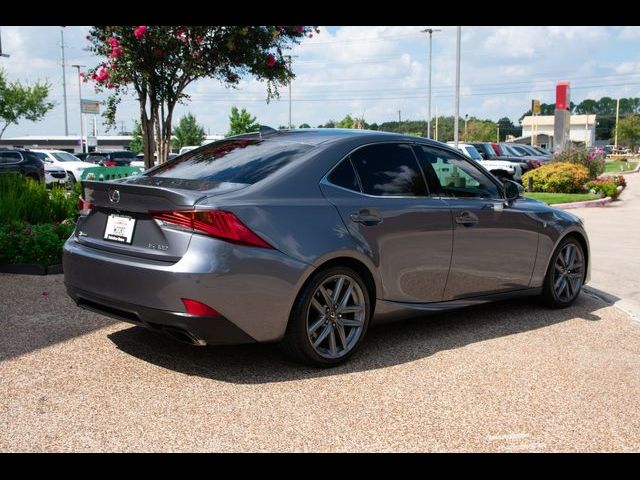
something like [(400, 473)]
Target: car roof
[(317, 136)]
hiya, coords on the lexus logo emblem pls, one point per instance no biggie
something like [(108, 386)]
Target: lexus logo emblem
[(114, 196)]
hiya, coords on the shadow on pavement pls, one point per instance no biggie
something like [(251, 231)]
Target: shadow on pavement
[(384, 346)]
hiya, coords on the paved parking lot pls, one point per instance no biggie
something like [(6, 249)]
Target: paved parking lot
[(506, 377)]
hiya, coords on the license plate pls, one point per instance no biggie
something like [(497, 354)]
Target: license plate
[(119, 228)]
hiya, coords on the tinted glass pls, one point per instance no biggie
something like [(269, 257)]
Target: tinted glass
[(65, 157), (472, 152), (456, 176), (125, 154), (389, 170), (344, 176), (236, 161), (10, 157), (41, 156)]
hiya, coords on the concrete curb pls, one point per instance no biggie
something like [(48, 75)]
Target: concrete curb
[(610, 174), (30, 269), (600, 202)]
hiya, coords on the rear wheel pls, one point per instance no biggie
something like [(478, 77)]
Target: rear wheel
[(565, 275), (329, 318)]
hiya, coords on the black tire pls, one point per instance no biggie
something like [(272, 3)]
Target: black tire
[(296, 343), (549, 295)]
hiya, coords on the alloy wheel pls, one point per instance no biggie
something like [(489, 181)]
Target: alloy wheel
[(568, 272), (336, 316)]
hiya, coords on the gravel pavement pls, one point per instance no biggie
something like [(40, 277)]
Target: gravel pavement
[(511, 376)]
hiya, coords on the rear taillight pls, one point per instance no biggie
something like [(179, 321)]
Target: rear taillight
[(84, 207), (215, 223), (195, 307)]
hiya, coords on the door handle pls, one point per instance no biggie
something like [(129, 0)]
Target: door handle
[(466, 218), (366, 219)]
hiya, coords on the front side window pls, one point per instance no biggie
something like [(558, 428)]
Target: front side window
[(65, 157), (455, 176), (389, 169)]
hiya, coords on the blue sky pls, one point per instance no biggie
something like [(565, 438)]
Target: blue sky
[(368, 70)]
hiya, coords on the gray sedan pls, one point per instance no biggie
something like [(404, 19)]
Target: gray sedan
[(307, 237)]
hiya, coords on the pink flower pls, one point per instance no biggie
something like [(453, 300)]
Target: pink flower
[(197, 54), (271, 60), (199, 40), (158, 52), (139, 32), (113, 41), (300, 29), (45, 293)]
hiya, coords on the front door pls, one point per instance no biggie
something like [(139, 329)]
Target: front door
[(494, 245)]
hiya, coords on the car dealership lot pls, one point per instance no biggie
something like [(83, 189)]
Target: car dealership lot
[(511, 376)]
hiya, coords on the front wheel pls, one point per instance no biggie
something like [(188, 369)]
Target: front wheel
[(565, 274), (329, 318)]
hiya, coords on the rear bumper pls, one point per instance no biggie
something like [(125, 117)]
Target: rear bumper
[(252, 288), (182, 326)]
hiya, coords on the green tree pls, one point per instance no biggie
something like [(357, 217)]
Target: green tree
[(157, 64), (18, 101), (508, 128), (188, 132), (136, 141), (629, 131), (346, 122), (241, 122), (304, 125), (480, 131)]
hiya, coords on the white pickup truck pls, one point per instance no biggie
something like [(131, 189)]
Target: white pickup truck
[(501, 169)]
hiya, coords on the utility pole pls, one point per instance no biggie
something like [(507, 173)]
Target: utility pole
[(436, 135), (498, 135), (430, 32), (2, 54), (64, 83), (399, 117), (466, 117), (615, 145), (80, 100), (457, 106), (289, 57)]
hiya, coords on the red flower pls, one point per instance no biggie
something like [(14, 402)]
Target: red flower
[(197, 54), (158, 52), (139, 32), (300, 29), (45, 293), (113, 42), (271, 60)]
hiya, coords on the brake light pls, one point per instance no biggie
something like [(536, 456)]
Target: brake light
[(215, 223), (84, 207), (195, 307)]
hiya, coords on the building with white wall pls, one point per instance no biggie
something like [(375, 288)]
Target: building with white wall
[(582, 129)]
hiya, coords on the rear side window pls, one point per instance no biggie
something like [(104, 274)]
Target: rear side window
[(236, 161), (344, 176), (10, 157), (389, 169)]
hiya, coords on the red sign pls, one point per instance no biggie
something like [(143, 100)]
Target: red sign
[(563, 100)]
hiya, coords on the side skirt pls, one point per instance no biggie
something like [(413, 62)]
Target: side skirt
[(388, 311)]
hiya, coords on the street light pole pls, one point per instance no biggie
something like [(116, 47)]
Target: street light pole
[(615, 145), (6, 55), (430, 32), (457, 106), (80, 99), (64, 83), (289, 57), (466, 116)]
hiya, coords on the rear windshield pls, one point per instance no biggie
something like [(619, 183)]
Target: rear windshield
[(235, 161)]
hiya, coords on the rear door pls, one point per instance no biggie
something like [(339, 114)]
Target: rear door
[(494, 245), (382, 198), (10, 162)]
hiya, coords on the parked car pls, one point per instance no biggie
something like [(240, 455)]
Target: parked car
[(488, 153), (64, 160), (307, 238), (188, 148), (53, 173), (119, 158), (503, 170), (523, 152), (22, 161), (95, 157)]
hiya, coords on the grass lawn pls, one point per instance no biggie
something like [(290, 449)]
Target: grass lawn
[(613, 167), (551, 198)]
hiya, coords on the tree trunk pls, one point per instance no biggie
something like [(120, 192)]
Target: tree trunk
[(147, 132), (158, 133)]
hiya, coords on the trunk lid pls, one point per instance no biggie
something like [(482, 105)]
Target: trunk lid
[(129, 202)]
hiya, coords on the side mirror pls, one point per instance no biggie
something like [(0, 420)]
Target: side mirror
[(512, 190)]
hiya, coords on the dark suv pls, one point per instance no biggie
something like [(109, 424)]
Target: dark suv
[(22, 161)]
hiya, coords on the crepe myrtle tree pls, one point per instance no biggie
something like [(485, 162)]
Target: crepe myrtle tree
[(158, 63)]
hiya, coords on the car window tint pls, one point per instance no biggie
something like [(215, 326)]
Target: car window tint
[(456, 176), (10, 157), (344, 176), (389, 169), (237, 161)]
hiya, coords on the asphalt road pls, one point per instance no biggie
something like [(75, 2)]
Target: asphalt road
[(511, 376), (614, 235)]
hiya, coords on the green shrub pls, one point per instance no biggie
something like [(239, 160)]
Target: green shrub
[(557, 177), (24, 200), (593, 161), (607, 187), (36, 244)]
